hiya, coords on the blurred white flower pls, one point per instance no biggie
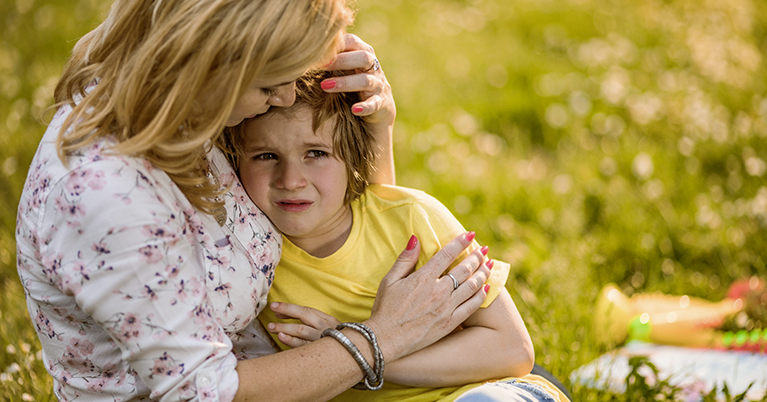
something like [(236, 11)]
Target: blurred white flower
[(462, 204), (648, 242), (755, 166), (608, 166), (549, 84), (497, 76), (438, 162), (645, 108), (614, 125), (615, 85), (707, 217), (667, 267), (562, 184), (557, 115), (465, 124), (580, 103), (642, 166), (686, 146), (490, 144), (653, 189)]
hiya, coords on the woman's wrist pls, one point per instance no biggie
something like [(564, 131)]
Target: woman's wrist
[(388, 340)]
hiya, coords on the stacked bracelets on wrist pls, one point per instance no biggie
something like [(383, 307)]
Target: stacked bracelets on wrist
[(373, 376)]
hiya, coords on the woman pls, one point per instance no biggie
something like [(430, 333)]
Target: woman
[(143, 260)]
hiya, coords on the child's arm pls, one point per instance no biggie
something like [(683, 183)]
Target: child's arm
[(507, 351)]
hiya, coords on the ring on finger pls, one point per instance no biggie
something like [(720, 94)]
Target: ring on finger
[(455, 281), (375, 67)]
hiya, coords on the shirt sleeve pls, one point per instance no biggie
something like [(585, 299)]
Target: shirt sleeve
[(435, 226), (119, 241)]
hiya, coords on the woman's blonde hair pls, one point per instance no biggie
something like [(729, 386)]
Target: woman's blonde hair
[(169, 73)]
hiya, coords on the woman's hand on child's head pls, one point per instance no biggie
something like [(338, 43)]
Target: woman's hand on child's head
[(365, 76), (295, 335)]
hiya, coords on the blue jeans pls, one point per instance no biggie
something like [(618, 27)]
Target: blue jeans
[(511, 390)]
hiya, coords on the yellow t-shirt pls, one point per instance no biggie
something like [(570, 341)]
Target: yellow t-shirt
[(345, 284)]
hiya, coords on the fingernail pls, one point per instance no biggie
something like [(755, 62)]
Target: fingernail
[(329, 63), (487, 288), (275, 305), (484, 250), (270, 325), (490, 264), (412, 242), (357, 109), (329, 84), (470, 236)]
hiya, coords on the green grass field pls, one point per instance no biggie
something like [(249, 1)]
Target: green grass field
[(585, 141)]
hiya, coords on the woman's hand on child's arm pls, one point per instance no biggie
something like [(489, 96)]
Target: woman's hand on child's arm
[(377, 103), (506, 351), (296, 335)]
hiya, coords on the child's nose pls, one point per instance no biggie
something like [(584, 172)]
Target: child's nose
[(291, 177)]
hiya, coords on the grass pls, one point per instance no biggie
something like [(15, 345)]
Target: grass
[(585, 141)]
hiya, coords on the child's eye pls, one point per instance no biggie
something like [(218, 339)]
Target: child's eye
[(317, 154), (265, 156)]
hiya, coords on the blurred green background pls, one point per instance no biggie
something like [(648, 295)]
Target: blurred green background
[(585, 141)]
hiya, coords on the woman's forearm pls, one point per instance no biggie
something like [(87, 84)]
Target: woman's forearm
[(315, 372), (384, 164)]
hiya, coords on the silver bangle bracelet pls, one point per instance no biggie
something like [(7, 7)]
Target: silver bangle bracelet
[(378, 354), (356, 354)]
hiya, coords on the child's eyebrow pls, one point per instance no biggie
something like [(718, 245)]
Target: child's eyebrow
[(317, 145), (254, 148)]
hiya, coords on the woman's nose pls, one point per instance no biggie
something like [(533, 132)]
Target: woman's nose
[(285, 96)]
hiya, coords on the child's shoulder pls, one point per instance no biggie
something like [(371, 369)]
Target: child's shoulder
[(386, 196)]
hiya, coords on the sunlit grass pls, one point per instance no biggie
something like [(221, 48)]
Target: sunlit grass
[(585, 141)]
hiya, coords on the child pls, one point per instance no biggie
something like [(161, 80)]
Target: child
[(306, 167)]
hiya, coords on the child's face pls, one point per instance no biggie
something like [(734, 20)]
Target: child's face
[(290, 172)]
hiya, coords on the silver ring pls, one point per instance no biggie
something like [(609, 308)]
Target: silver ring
[(455, 281), (375, 67)]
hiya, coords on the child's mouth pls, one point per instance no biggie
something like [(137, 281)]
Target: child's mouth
[(294, 206)]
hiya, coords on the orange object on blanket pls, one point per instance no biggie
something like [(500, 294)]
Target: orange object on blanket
[(682, 320)]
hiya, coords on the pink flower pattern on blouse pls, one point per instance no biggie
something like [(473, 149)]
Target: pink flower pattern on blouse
[(133, 293)]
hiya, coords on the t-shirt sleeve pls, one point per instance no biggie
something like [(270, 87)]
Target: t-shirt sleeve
[(435, 226), (116, 241)]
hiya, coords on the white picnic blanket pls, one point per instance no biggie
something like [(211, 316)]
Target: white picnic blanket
[(696, 371)]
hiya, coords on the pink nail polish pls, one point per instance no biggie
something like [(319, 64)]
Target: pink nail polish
[(487, 288), (484, 250), (470, 236), (412, 242), (490, 264), (357, 109), (329, 84)]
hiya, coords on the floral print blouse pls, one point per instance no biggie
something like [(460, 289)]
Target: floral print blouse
[(133, 293)]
